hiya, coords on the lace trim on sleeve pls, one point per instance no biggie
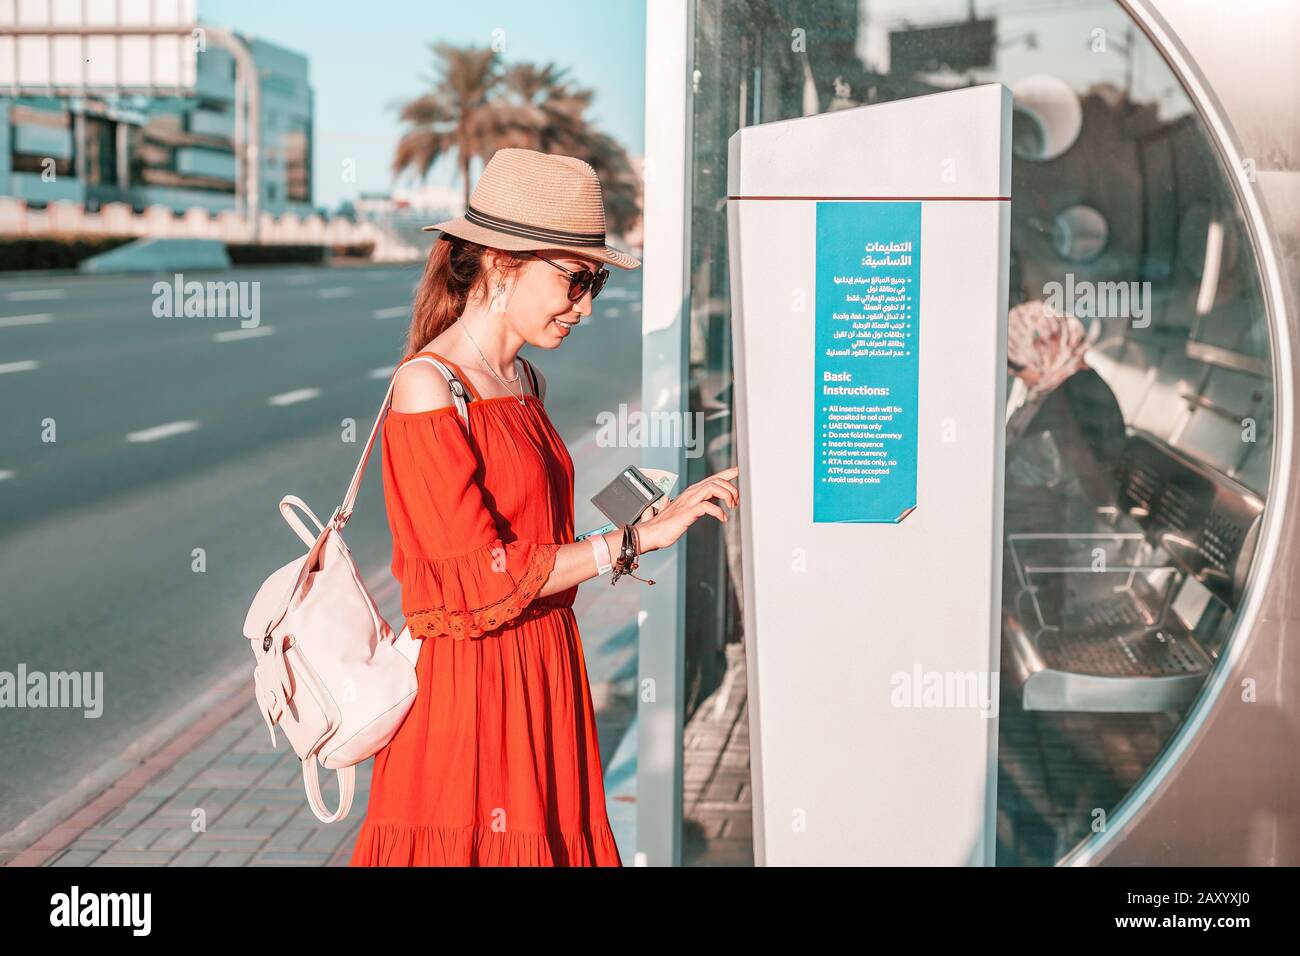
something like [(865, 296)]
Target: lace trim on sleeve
[(476, 622)]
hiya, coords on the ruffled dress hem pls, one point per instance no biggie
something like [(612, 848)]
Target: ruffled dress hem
[(397, 844)]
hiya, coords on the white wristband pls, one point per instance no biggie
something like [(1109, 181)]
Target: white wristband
[(600, 548)]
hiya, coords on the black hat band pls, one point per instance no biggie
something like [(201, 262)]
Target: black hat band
[(525, 231)]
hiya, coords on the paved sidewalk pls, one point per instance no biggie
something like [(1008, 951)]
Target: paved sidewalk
[(219, 795), (717, 801)]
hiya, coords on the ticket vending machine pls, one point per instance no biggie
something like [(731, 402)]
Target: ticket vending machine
[(869, 259)]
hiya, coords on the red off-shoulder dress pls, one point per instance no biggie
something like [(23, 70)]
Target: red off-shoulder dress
[(498, 761)]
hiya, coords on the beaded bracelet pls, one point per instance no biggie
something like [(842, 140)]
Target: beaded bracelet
[(628, 551)]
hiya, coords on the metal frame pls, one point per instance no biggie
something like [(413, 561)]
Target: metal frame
[(659, 759), (665, 388), (1093, 850)]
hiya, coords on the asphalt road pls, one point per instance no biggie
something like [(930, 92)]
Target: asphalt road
[(134, 446)]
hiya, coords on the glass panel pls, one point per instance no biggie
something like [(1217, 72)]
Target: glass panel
[(1133, 481)]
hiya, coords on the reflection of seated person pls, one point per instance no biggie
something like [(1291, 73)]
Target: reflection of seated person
[(1065, 438), (1065, 432)]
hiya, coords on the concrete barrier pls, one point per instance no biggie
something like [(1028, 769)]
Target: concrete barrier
[(160, 255)]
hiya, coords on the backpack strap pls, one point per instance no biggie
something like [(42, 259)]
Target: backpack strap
[(458, 393), (532, 376), (344, 511)]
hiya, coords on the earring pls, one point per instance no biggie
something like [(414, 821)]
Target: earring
[(498, 305)]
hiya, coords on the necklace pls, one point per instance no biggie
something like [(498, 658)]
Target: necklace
[(487, 365)]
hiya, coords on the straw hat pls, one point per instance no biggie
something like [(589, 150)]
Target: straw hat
[(526, 199)]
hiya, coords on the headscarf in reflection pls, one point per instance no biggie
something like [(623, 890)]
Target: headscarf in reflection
[(1046, 341), (1049, 344)]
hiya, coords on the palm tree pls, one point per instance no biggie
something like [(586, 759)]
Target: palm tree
[(475, 107), (457, 115), (552, 112)]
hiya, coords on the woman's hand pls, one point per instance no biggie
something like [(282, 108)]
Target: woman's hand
[(664, 528)]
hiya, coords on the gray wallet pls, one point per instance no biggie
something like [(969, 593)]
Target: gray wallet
[(624, 499)]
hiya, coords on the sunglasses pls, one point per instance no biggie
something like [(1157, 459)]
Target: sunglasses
[(580, 282)]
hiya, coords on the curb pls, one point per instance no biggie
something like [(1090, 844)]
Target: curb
[(109, 787), (112, 784)]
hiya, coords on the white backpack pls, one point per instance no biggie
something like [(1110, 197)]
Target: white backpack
[(329, 670)]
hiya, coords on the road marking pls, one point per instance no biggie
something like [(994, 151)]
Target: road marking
[(611, 313), (10, 320), (297, 395), (615, 294), (393, 313), (299, 278), (7, 473), (36, 295), (159, 432), (338, 292), (26, 365), (234, 335), (383, 372)]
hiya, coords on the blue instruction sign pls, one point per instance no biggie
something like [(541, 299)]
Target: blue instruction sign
[(867, 311)]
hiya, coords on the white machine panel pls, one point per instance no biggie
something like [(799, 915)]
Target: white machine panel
[(872, 629)]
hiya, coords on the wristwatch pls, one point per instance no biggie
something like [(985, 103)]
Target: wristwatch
[(600, 548)]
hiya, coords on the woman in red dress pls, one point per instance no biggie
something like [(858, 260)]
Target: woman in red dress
[(498, 761)]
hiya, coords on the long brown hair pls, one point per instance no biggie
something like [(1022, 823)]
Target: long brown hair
[(453, 272)]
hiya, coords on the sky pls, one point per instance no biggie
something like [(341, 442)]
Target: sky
[(363, 57)]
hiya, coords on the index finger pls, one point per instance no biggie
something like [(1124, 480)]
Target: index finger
[(731, 472)]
